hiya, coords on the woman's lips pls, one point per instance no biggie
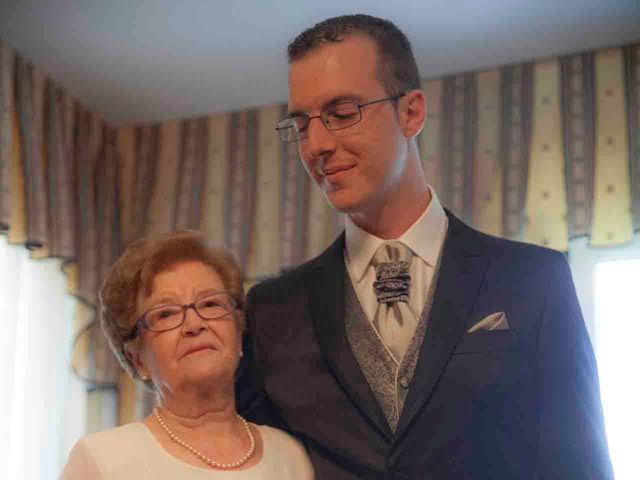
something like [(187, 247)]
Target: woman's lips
[(198, 349)]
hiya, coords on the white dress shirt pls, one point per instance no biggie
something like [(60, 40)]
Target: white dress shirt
[(425, 238)]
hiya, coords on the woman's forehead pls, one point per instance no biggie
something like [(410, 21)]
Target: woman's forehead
[(183, 278)]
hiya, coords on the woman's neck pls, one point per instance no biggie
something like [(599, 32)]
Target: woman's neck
[(198, 407)]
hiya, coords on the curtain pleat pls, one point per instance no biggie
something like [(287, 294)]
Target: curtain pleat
[(487, 169), (191, 176), (18, 223), (514, 145), (458, 135), (29, 92), (546, 201), (144, 178), (218, 153), (264, 253), (161, 216), (61, 219), (108, 204), (632, 63), (126, 147), (320, 223), (241, 178), (294, 198), (6, 133), (88, 139), (429, 139), (578, 130), (612, 219)]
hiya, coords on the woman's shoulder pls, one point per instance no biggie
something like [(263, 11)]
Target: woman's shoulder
[(119, 438), (287, 451), (99, 455), (280, 437)]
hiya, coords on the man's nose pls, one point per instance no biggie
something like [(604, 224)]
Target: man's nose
[(320, 141)]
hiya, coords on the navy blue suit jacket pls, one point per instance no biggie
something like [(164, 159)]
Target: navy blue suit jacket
[(522, 403)]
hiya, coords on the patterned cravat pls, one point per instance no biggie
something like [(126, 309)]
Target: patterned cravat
[(393, 319)]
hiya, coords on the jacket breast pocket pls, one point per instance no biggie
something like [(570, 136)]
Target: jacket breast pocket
[(487, 341)]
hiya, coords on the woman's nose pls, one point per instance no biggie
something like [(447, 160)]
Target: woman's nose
[(193, 324)]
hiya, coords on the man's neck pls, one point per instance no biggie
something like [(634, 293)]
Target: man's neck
[(393, 220)]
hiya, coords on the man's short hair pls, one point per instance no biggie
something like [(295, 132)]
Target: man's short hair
[(397, 69)]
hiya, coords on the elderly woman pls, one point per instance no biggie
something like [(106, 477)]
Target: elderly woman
[(171, 309)]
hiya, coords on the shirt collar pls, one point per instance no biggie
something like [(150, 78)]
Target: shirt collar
[(424, 238)]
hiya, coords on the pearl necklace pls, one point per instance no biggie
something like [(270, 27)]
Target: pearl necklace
[(201, 456)]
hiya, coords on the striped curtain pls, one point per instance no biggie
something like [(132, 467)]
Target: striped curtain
[(60, 197), (542, 152)]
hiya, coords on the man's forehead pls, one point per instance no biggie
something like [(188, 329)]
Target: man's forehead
[(333, 71), (324, 100)]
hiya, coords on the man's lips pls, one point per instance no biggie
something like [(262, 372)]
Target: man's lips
[(328, 171)]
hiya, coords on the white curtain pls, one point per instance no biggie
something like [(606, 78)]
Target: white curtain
[(608, 283), (42, 405)]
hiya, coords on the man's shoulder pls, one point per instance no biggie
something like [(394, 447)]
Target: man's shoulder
[(507, 250), (297, 277)]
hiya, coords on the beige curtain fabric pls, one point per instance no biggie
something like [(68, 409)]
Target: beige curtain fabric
[(546, 198), (632, 67), (542, 151), (6, 133), (578, 131), (486, 202), (612, 217), (29, 105)]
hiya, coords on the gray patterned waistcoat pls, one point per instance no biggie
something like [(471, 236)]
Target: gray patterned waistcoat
[(388, 381)]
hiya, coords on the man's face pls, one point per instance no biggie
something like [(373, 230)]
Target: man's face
[(358, 168)]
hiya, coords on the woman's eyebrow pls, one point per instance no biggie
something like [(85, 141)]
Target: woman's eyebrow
[(152, 302), (205, 291)]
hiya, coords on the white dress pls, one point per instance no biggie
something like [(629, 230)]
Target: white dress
[(132, 452)]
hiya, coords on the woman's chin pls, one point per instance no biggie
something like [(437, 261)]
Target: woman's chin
[(207, 373)]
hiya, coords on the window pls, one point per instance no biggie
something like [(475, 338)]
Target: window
[(608, 285), (37, 427)]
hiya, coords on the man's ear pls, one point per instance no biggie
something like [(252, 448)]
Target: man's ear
[(413, 109)]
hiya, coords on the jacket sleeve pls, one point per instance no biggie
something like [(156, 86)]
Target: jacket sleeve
[(252, 401), (572, 441)]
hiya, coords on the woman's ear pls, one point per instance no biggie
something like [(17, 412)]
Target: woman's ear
[(414, 112), (241, 327), (133, 355)]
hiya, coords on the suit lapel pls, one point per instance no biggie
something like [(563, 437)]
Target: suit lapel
[(327, 289), (461, 272)]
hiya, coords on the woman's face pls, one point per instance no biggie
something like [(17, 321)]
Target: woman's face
[(199, 351)]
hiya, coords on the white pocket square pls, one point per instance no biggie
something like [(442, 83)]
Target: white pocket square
[(494, 321)]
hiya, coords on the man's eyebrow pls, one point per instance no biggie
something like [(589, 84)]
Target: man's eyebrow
[(296, 113), (334, 101)]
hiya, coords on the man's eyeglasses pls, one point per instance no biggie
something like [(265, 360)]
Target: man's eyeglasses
[(335, 117), (167, 317)]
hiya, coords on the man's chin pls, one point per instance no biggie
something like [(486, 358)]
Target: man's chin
[(342, 202)]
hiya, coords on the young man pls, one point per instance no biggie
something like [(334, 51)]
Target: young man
[(414, 346)]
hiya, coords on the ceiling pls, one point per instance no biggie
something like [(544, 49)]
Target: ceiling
[(146, 61)]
